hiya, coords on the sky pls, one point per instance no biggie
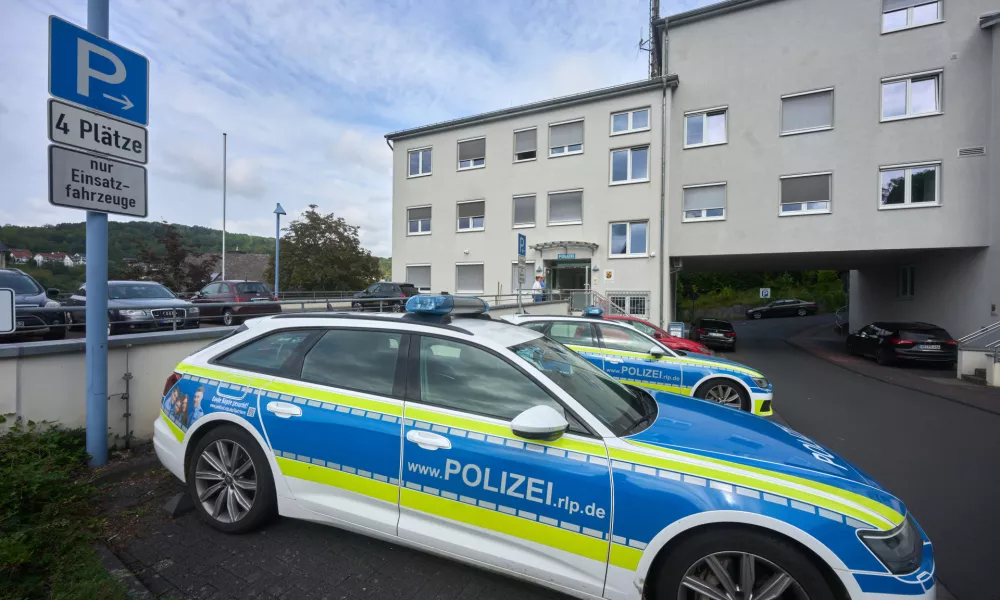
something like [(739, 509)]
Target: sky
[(305, 91)]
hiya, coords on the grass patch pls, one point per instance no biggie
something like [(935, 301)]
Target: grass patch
[(47, 523)]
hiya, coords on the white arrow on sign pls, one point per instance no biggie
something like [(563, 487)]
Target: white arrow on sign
[(128, 103)]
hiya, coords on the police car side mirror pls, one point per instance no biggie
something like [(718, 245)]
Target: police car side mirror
[(656, 352), (539, 423)]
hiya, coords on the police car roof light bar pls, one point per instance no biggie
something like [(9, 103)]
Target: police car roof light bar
[(447, 304), (593, 311)]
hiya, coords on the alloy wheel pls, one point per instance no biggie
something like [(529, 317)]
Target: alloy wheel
[(226, 481), (757, 315), (738, 576), (227, 318), (724, 394), (802, 312)]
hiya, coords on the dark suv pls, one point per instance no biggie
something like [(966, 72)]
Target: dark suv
[(28, 295), (384, 296), (714, 333), (248, 298)]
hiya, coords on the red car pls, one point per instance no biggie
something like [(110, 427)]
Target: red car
[(672, 342)]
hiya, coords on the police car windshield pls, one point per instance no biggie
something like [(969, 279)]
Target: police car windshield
[(611, 402)]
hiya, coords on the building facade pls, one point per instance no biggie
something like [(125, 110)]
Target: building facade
[(856, 135)]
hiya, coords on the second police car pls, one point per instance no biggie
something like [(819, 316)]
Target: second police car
[(499, 447), (633, 357)]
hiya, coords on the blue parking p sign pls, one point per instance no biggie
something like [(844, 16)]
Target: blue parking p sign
[(522, 244), (88, 70)]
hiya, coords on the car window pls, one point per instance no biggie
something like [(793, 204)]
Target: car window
[(572, 333), (713, 324), (21, 284), (462, 377), (361, 360), (538, 326), (619, 338), (252, 287), (919, 335), (137, 291), (371, 289), (410, 290), (643, 327), (269, 354), (210, 289)]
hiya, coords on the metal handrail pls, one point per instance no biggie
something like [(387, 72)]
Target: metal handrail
[(980, 333)]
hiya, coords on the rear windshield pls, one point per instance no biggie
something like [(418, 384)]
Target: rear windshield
[(252, 288), (21, 284), (919, 335), (409, 289), (713, 324)]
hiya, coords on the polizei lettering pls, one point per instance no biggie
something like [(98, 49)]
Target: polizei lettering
[(95, 178)]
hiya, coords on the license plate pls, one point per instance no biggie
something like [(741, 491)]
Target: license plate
[(260, 300), (929, 347), (713, 334), (19, 324)]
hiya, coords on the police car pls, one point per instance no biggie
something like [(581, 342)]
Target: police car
[(633, 357), (497, 446)]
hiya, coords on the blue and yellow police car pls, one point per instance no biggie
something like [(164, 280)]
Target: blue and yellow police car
[(632, 357), (447, 431)]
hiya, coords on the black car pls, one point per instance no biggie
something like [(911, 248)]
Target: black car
[(889, 342), (29, 296), (788, 307), (385, 296), (135, 306), (714, 333)]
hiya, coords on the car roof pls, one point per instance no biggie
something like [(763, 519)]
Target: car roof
[(905, 325)]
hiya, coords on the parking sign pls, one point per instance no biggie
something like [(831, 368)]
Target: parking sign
[(765, 292)]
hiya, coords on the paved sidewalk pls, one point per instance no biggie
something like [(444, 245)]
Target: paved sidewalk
[(821, 341)]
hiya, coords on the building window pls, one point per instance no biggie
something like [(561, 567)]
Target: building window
[(526, 282), (911, 96), (705, 202), (806, 194), (524, 211), (472, 215), (419, 276), (705, 128), (420, 162), (910, 186), (472, 154), (566, 208), (629, 121), (566, 138), (469, 278), (904, 282), (630, 165), (807, 112), (629, 239), (418, 220), (525, 144), (906, 14)]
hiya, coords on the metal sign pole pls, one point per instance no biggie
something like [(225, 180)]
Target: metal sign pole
[(97, 299)]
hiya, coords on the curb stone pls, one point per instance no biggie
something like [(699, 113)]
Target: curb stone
[(114, 566)]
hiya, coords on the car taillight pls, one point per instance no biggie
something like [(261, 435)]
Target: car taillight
[(238, 299), (899, 342), (951, 342), (401, 295), (700, 331), (173, 379), (730, 334)]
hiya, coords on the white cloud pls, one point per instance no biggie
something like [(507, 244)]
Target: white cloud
[(305, 90)]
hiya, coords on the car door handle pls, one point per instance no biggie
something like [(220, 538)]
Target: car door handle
[(428, 440), (284, 410), (614, 361)]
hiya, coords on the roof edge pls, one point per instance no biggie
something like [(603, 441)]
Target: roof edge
[(989, 20), (712, 10), (588, 96)]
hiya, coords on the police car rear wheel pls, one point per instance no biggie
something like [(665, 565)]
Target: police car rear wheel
[(230, 480), (724, 392), (742, 564)]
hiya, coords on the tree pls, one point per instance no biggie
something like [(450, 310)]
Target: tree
[(176, 266), (323, 252)]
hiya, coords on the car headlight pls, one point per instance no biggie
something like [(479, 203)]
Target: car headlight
[(760, 382), (193, 312), (132, 312), (900, 549), (52, 304)]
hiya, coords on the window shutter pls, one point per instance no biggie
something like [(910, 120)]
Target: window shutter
[(524, 210), (525, 141), (565, 207), (894, 5), (472, 209), (815, 188), (420, 277), (567, 134), (704, 198), (415, 214), (472, 149), (807, 112), (469, 278)]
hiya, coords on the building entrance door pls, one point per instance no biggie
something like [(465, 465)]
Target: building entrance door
[(567, 275)]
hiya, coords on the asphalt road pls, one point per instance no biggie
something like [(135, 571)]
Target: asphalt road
[(938, 456)]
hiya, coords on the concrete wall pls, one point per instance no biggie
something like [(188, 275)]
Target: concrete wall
[(748, 59), (501, 179)]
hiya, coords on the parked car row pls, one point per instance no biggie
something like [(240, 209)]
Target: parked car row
[(28, 297)]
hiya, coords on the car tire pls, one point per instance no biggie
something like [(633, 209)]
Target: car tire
[(731, 552), (882, 357), (801, 312), (397, 307), (356, 306), (56, 332), (725, 392), (758, 315), (221, 484), (229, 319)]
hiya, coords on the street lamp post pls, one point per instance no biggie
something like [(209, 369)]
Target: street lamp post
[(278, 211)]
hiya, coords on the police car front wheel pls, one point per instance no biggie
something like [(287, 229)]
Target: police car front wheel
[(725, 392), (230, 481), (739, 563)]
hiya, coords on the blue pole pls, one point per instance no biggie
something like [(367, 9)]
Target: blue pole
[(277, 251), (97, 299)]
